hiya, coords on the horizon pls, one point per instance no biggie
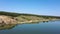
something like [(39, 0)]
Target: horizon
[(39, 7)]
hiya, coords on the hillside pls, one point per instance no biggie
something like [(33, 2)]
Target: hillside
[(16, 18)]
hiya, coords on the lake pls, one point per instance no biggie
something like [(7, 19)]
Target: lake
[(51, 27)]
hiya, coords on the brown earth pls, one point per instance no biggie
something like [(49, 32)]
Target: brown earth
[(7, 20)]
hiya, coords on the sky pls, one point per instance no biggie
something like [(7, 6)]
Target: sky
[(40, 7)]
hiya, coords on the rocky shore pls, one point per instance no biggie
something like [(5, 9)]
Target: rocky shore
[(6, 20), (17, 18), (21, 19)]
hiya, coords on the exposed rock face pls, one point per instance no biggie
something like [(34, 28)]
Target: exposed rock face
[(7, 20)]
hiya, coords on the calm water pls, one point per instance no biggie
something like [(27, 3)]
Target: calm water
[(51, 27)]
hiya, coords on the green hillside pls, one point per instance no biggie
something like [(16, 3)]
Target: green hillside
[(18, 14)]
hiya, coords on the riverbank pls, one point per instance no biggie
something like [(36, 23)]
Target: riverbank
[(15, 18), (21, 19)]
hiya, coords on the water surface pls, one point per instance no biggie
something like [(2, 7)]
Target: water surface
[(51, 27)]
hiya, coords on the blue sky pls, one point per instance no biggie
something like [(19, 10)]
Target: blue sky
[(41, 7)]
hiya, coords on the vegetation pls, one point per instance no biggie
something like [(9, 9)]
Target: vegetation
[(27, 18)]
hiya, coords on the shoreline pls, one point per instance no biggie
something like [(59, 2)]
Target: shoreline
[(9, 20), (35, 22), (16, 18)]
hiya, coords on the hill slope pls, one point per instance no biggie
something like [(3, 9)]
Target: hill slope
[(16, 18)]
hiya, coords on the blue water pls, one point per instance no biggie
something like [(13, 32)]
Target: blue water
[(51, 27)]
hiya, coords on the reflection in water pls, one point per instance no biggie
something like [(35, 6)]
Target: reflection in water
[(6, 27), (31, 28), (10, 26)]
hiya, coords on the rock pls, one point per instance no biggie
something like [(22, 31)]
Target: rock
[(7, 20)]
